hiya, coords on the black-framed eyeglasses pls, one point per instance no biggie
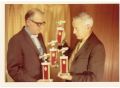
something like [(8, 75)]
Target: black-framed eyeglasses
[(38, 23)]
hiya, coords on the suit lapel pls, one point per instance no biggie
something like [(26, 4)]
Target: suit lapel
[(84, 47), (29, 41), (42, 42)]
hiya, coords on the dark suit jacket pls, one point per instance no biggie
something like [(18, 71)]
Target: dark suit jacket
[(88, 64), (23, 61)]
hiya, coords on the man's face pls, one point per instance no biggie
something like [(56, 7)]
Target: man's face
[(80, 29), (36, 23)]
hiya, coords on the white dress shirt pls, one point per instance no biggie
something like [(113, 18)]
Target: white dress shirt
[(35, 41)]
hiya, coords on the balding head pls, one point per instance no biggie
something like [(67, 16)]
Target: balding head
[(31, 13), (34, 19)]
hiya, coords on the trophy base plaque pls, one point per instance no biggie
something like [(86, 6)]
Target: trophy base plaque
[(55, 66), (46, 80), (63, 73)]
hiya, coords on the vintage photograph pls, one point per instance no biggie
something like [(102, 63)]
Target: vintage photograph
[(61, 42)]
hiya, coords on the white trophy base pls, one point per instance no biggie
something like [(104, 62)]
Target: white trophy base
[(55, 66), (46, 80), (63, 73)]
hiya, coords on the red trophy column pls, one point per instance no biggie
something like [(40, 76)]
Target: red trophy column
[(46, 71), (53, 56), (63, 64), (59, 35)]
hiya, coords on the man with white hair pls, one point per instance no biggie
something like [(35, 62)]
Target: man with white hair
[(87, 60)]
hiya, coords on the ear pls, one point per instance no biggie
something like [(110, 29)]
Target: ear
[(88, 26), (28, 22)]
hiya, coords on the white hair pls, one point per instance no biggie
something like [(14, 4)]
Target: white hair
[(85, 18)]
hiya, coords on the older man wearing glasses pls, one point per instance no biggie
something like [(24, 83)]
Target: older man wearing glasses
[(24, 48)]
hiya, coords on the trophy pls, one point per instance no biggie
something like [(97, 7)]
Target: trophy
[(56, 57), (60, 29), (45, 69), (63, 62), (53, 53)]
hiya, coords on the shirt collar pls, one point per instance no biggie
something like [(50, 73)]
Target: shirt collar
[(29, 33)]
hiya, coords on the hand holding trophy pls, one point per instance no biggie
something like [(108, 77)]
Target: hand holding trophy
[(64, 74)]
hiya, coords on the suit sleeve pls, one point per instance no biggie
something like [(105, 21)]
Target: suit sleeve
[(96, 65), (15, 64)]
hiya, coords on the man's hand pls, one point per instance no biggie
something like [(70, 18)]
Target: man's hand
[(65, 76)]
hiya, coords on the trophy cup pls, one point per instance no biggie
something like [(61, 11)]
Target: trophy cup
[(60, 29), (45, 69)]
